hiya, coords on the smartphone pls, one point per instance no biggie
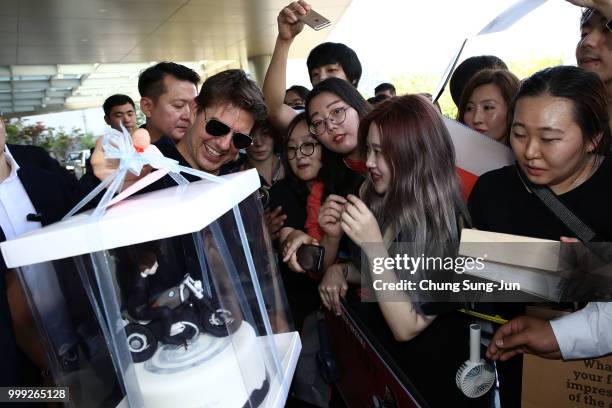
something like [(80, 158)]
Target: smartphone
[(315, 20), (310, 257)]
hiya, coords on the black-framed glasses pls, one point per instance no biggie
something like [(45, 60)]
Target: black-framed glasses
[(215, 127), (335, 117), (307, 149)]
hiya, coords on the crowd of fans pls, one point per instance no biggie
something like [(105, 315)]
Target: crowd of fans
[(356, 176)]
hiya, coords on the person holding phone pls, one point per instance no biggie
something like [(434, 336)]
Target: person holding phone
[(333, 110), (327, 60), (303, 159)]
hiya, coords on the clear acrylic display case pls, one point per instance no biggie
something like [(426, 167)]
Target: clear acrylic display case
[(172, 298)]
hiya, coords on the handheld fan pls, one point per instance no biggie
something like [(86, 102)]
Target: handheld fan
[(475, 377)]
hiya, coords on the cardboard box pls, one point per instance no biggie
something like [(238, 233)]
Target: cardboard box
[(565, 384)]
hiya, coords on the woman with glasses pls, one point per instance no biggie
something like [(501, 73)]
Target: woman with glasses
[(303, 159), (333, 108)]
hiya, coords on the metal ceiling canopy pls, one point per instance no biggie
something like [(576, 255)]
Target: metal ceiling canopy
[(72, 54)]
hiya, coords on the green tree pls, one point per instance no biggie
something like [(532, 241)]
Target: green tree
[(58, 142), (61, 142), (21, 133), (87, 141), (426, 83)]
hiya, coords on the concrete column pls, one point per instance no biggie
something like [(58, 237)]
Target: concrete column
[(258, 65)]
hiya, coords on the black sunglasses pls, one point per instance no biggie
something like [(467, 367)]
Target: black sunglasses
[(215, 127)]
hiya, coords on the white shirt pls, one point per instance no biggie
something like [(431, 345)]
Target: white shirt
[(41, 280), (15, 205), (586, 333)]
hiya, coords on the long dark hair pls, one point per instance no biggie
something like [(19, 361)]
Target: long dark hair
[(338, 178), (423, 197)]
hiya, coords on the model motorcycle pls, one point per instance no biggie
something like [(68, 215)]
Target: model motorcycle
[(191, 312)]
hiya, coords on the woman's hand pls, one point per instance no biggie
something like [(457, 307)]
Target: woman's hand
[(290, 246), (329, 215), (274, 220), (333, 286), (359, 223)]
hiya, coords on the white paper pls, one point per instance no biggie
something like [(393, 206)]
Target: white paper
[(511, 15), (475, 152)]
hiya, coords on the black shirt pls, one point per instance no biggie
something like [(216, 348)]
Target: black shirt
[(282, 194), (500, 202), (302, 290)]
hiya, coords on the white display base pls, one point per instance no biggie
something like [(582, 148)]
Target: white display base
[(289, 346)]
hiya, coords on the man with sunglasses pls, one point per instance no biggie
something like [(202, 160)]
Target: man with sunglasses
[(223, 116)]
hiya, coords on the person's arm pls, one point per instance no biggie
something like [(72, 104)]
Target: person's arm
[(361, 226), (289, 26), (397, 308), (586, 333), (524, 334), (329, 221), (331, 245), (26, 333), (603, 6), (334, 285)]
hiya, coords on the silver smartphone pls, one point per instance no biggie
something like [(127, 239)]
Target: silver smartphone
[(315, 20)]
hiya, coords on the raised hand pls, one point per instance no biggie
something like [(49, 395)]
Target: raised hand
[(103, 168), (289, 26)]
